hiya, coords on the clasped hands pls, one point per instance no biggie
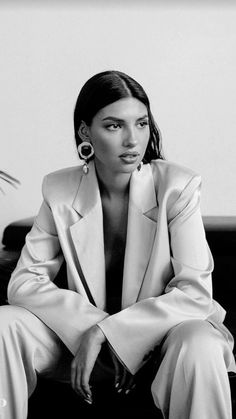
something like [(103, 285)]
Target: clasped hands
[(84, 361)]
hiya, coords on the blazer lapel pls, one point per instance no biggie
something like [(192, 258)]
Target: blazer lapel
[(142, 217), (87, 236)]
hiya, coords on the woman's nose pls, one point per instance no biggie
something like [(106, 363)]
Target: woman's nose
[(130, 139)]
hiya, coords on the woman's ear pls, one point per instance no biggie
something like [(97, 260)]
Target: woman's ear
[(84, 131)]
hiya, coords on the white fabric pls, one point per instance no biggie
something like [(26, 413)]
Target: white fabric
[(26, 346), (167, 268), (191, 382)]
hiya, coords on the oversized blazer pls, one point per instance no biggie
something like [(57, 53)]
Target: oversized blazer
[(167, 265)]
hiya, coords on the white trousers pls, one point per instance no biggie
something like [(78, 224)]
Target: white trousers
[(191, 382)]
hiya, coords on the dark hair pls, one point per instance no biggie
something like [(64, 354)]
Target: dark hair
[(105, 88)]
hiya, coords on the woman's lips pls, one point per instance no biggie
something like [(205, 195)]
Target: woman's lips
[(129, 157)]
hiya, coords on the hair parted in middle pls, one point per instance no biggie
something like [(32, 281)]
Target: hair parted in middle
[(105, 88)]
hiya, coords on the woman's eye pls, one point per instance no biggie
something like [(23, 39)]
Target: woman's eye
[(113, 127), (143, 124)]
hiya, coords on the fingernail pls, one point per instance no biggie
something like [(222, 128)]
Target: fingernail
[(117, 385), (127, 391), (88, 395), (120, 390), (88, 401)]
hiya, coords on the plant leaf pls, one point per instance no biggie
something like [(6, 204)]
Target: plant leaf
[(8, 178)]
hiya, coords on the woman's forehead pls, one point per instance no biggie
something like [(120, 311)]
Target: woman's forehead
[(123, 109)]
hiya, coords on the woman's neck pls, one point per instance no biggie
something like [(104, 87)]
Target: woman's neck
[(112, 184)]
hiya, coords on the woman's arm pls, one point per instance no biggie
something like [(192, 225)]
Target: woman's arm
[(68, 313)]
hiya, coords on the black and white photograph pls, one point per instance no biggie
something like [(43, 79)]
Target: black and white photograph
[(117, 209)]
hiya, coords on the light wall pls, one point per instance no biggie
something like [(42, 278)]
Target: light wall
[(185, 57)]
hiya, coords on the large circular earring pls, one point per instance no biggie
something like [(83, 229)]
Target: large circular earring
[(85, 150)]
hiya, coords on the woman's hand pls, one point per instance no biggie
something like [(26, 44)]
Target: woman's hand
[(84, 360), (124, 380)]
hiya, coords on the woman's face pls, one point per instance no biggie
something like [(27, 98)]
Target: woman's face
[(119, 134)]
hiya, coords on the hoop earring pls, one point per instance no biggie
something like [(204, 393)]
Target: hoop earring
[(85, 150)]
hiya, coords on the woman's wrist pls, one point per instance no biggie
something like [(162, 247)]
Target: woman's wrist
[(99, 334)]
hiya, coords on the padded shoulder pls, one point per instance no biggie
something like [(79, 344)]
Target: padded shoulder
[(175, 185), (169, 175), (62, 185)]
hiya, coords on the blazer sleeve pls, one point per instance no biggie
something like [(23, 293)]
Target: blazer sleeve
[(136, 330), (31, 286)]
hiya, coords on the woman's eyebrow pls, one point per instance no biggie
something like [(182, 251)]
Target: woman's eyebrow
[(114, 118), (143, 117)]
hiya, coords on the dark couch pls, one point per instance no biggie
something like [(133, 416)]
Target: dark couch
[(58, 400)]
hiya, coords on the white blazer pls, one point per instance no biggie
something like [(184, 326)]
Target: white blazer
[(167, 266)]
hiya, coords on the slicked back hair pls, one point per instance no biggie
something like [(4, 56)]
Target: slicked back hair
[(105, 88)]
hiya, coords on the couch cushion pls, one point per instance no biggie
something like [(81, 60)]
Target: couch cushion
[(8, 261), (14, 234)]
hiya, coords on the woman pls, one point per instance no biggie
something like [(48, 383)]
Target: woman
[(128, 225)]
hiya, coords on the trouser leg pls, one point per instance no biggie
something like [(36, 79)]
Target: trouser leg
[(27, 346), (192, 380)]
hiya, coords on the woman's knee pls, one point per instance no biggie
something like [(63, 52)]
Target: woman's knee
[(197, 339), (191, 349), (21, 332), (10, 315), (193, 366), (19, 324)]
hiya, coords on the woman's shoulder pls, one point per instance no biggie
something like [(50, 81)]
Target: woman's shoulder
[(175, 185), (172, 169), (62, 183), (168, 174), (66, 173)]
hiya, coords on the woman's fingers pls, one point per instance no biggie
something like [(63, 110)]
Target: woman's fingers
[(126, 382), (84, 360), (85, 385), (122, 378), (80, 376), (76, 381), (129, 385), (117, 369)]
